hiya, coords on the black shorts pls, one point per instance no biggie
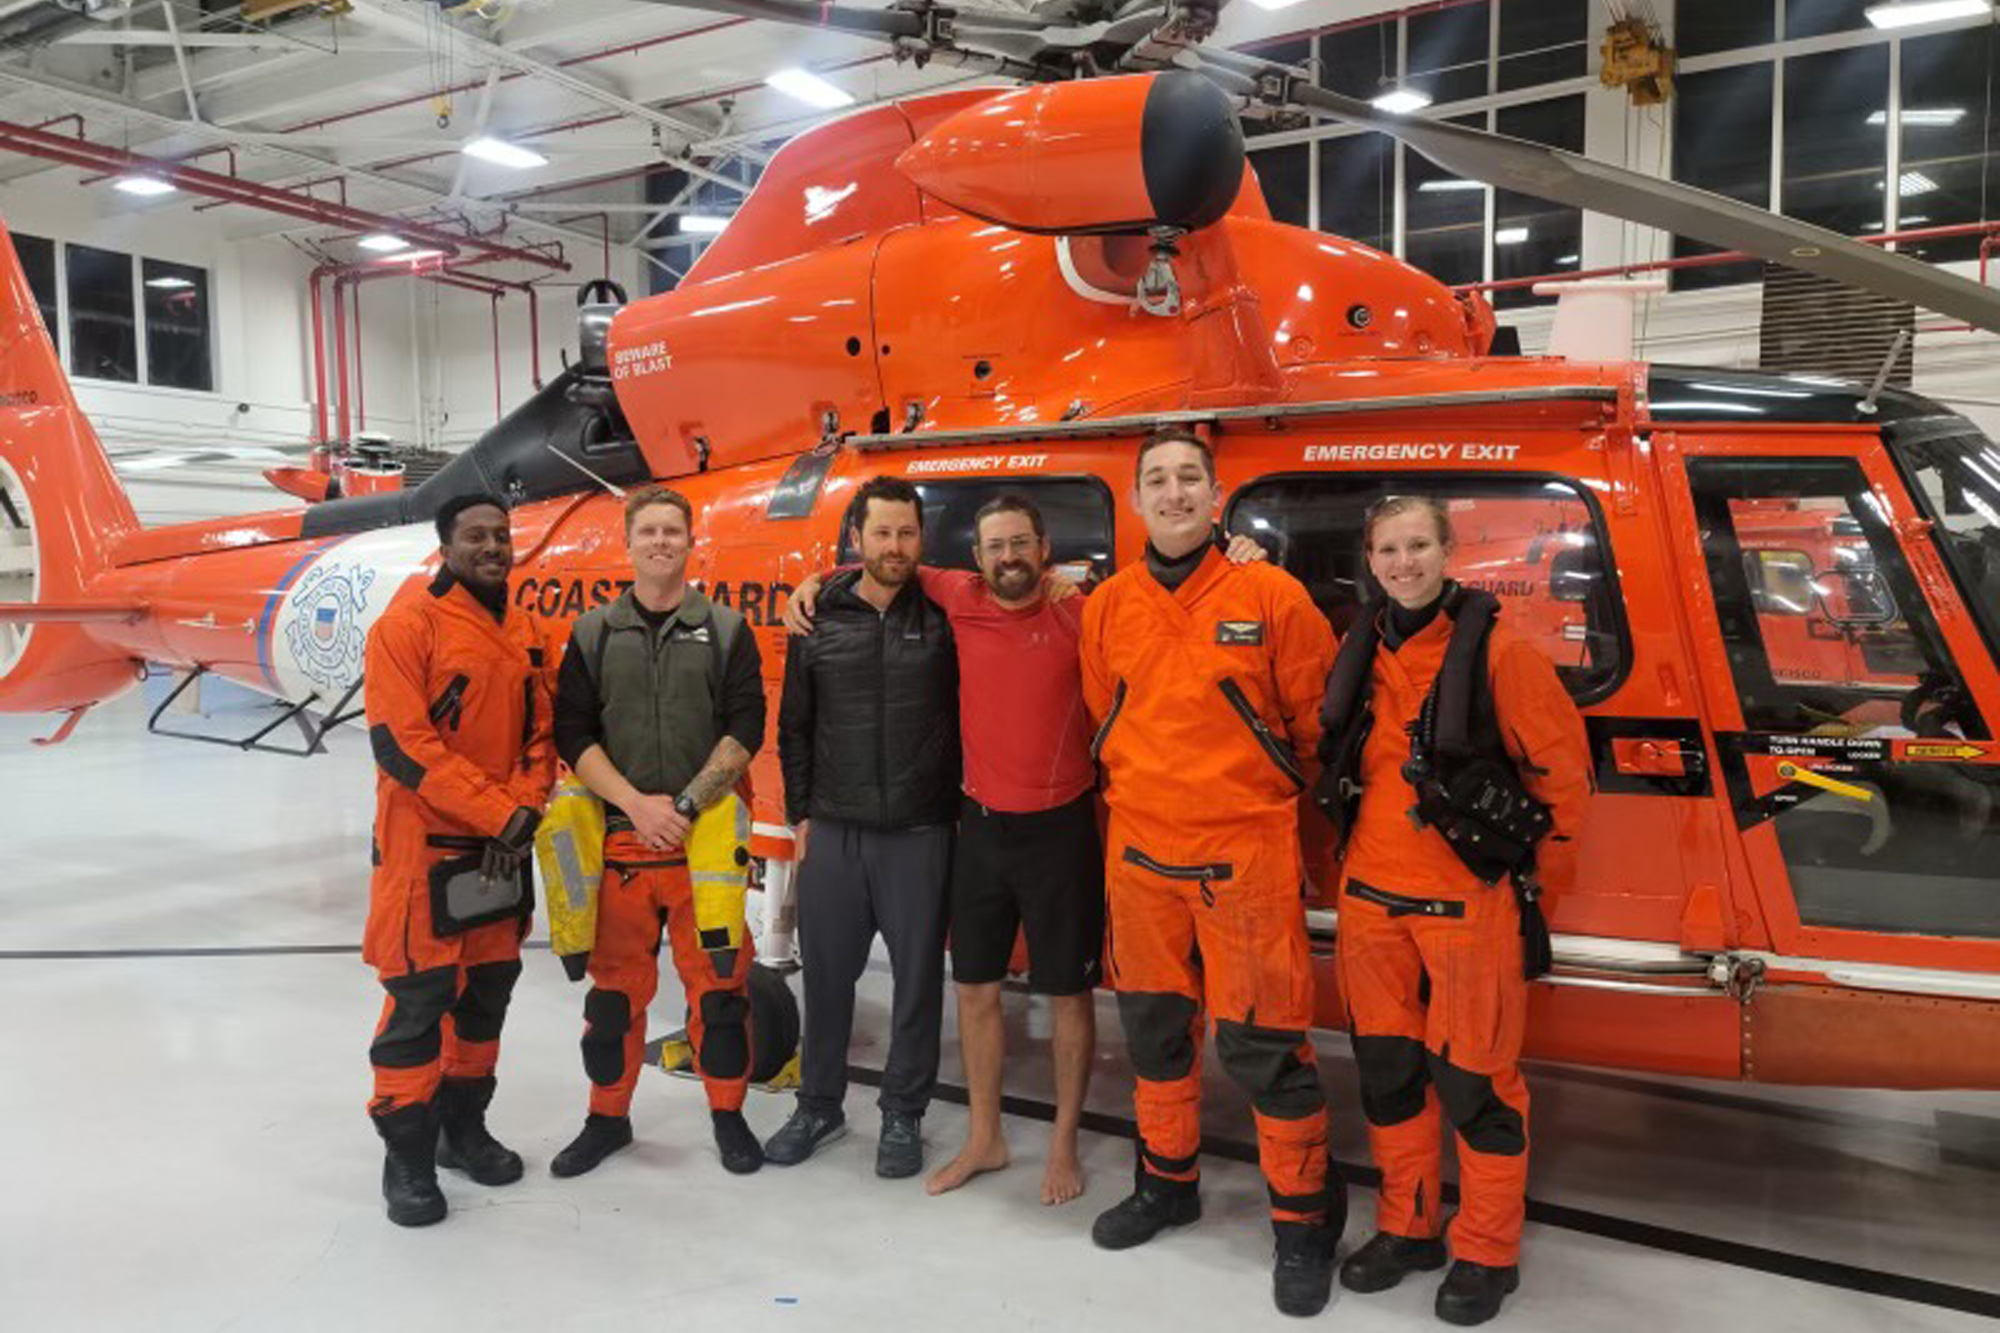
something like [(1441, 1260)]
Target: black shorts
[(1042, 873)]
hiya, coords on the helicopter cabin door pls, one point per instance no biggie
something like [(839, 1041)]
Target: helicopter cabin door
[(1850, 685)]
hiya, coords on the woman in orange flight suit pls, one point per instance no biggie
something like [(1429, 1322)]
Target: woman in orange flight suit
[(1430, 955)]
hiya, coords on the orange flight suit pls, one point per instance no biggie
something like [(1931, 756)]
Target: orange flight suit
[(459, 712), (1435, 996), (1203, 868)]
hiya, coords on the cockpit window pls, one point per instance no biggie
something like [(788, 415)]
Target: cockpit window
[(1955, 472)]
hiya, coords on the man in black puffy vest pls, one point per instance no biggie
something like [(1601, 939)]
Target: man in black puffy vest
[(868, 741)]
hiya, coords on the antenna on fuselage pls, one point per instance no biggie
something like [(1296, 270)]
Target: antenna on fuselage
[(615, 491)]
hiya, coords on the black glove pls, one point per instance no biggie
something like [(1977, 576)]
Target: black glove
[(503, 854)]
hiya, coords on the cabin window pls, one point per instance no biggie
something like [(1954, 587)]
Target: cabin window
[(1536, 543), (103, 328), (1076, 510)]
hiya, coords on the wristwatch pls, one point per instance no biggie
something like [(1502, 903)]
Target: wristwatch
[(684, 807)]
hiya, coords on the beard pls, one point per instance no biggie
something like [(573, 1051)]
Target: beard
[(1013, 579), (889, 570)]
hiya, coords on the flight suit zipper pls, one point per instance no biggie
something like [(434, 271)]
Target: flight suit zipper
[(1399, 905), (1279, 754), (450, 702), (1117, 702)]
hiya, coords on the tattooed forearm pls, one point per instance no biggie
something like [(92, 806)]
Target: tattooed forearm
[(726, 763)]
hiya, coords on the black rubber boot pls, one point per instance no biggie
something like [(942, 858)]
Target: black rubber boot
[(1386, 1260), (1302, 1276), (741, 1153), (409, 1166), (1472, 1293), (1152, 1207), (602, 1135), (464, 1144)]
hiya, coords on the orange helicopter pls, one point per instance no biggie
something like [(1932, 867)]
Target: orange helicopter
[(1788, 876)]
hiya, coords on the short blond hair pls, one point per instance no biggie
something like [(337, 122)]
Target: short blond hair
[(647, 496)]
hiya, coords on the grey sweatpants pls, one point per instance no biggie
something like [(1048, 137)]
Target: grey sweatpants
[(857, 881)]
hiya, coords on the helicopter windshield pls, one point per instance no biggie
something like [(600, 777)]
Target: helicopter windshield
[(1955, 471)]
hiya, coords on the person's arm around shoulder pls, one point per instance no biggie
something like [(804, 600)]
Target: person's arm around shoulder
[(1544, 732), (1302, 652), (406, 743)]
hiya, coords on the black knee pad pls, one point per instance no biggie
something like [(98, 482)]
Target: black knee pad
[(412, 1036), (725, 1037), (1159, 1033), (1486, 1123), (1265, 1063), (1394, 1074), (482, 1005), (607, 1017)]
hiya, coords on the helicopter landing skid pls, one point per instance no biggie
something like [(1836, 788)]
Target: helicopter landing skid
[(312, 733)]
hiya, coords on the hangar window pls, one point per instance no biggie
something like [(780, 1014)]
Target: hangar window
[(1286, 175), (1448, 51), (1536, 543), (38, 261), (1543, 41), (1076, 510), (1948, 117), (1444, 217), (1817, 18), (1835, 160), (177, 352), (1532, 236), (1359, 62), (1702, 27), (1357, 188), (103, 329), (1714, 150)]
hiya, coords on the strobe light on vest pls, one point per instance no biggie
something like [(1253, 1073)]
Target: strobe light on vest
[(1087, 158)]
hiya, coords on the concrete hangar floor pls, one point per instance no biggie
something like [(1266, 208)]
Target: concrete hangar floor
[(184, 1045)]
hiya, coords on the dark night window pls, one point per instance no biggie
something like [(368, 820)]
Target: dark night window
[(1948, 119), (1357, 188), (1816, 18), (1360, 62), (1444, 219), (1543, 41), (103, 335), (1448, 52), (1705, 26), (1835, 161), (1532, 237), (177, 353), (38, 260), (1722, 142), (1285, 175)]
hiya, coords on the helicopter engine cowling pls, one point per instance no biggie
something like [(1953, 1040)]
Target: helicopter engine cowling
[(1093, 156)]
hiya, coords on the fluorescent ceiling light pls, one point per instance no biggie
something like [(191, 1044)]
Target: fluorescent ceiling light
[(1439, 187), (1915, 219), (1569, 259), (1274, 4), (410, 256), (1510, 235), (1915, 182), (383, 243), (169, 284), (1938, 115), (809, 88), (501, 153), (707, 224), (1402, 101), (1904, 13), (143, 185)]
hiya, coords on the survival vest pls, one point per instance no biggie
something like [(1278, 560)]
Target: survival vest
[(1467, 786)]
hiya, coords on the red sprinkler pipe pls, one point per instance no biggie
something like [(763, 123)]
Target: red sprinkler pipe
[(360, 389), (319, 352), (340, 354)]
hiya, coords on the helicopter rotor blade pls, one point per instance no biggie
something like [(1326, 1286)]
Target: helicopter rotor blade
[(919, 21), (1569, 178)]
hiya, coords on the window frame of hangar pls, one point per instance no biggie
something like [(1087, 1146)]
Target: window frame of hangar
[(61, 336), (999, 483), (1777, 55), (1459, 483), (1487, 106)]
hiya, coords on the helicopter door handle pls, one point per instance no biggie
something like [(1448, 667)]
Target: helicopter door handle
[(1647, 757)]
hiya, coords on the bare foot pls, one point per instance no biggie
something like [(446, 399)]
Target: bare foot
[(975, 1159), (1063, 1180)]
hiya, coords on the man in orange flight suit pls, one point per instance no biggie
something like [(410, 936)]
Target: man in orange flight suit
[(1204, 678), (1430, 956), (459, 709)]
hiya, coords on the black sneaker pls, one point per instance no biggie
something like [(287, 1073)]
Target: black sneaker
[(409, 1165), (804, 1134), (464, 1142), (1302, 1276), (1472, 1293), (741, 1153), (1386, 1260), (1151, 1208), (602, 1135), (899, 1153)]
